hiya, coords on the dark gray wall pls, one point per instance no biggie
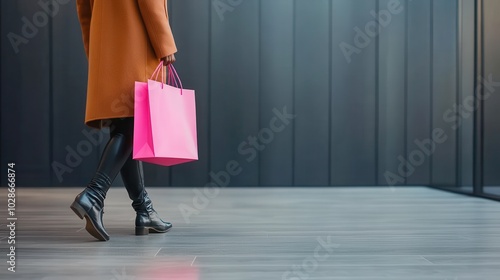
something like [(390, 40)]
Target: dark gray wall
[(466, 67), (354, 117), (491, 158)]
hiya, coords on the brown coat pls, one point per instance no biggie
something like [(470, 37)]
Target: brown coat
[(124, 42)]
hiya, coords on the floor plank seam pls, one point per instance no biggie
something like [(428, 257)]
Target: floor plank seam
[(157, 252), (427, 260)]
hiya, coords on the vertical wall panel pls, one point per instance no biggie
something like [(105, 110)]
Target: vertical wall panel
[(419, 86), (353, 114), (491, 160), (392, 88), (235, 90), (190, 21), (444, 90), (312, 55), (466, 90), (70, 136), (26, 94), (276, 90)]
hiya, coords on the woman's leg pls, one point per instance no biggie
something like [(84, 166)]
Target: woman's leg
[(147, 220), (90, 202)]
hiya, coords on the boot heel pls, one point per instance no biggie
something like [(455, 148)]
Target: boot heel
[(77, 209), (141, 231)]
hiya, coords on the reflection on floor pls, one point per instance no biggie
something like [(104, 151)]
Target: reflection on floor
[(494, 190), (261, 233)]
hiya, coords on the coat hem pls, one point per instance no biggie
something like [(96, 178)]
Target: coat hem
[(100, 122)]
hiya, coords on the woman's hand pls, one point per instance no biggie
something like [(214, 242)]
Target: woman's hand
[(168, 59)]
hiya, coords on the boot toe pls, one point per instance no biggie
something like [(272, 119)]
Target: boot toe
[(166, 226), (152, 227), (84, 207)]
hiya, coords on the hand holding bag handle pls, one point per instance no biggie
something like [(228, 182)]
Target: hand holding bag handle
[(173, 78)]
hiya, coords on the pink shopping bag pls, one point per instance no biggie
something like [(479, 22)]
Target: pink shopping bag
[(164, 121)]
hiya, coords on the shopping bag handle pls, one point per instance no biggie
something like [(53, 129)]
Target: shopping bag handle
[(157, 71), (173, 77)]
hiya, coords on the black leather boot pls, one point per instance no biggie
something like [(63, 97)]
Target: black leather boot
[(89, 205), (90, 202), (147, 219)]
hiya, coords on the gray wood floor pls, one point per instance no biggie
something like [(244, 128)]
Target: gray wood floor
[(262, 233)]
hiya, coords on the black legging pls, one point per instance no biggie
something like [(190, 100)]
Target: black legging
[(119, 147), (117, 156)]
